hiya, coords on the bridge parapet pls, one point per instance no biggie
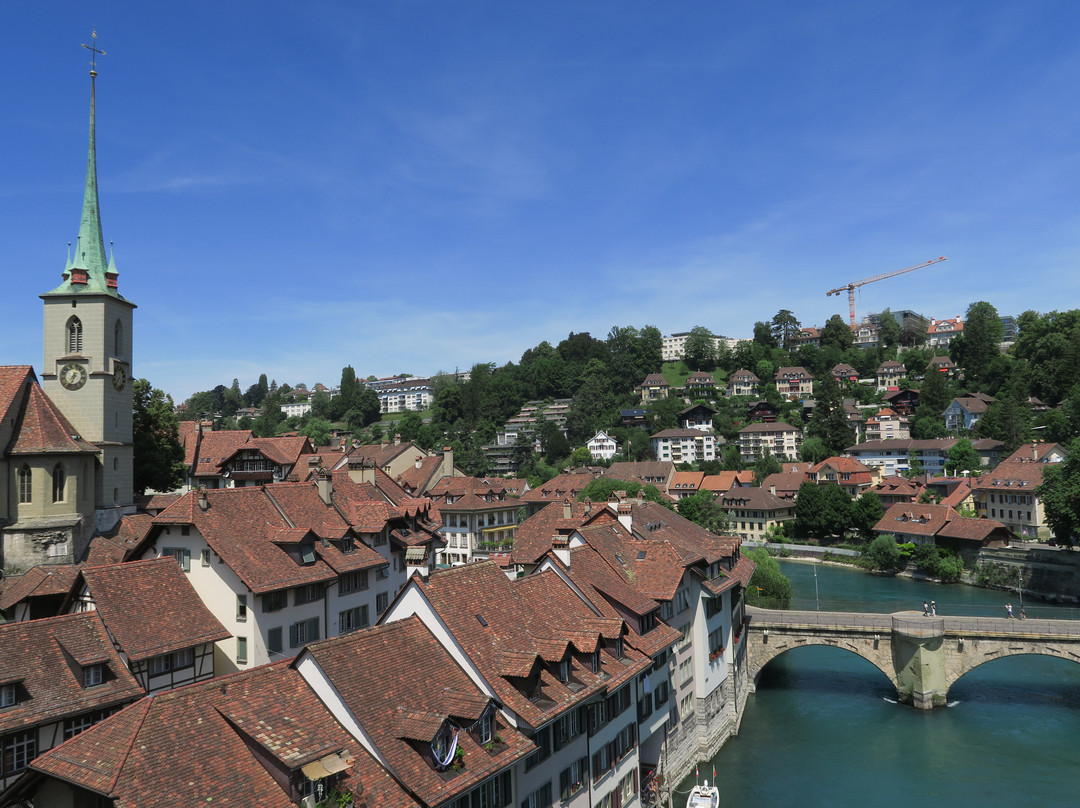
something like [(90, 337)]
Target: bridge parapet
[(922, 656)]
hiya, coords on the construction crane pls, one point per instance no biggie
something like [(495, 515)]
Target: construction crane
[(850, 287)]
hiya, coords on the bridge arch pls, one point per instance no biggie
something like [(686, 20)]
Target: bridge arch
[(982, 652), (764, 659)]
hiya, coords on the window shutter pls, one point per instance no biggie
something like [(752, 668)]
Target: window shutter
[(294, 635), (564, 785)]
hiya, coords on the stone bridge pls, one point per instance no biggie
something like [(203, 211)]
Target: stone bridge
[(922, 656)]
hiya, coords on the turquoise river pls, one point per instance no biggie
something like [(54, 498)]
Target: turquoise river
[(823, 729)]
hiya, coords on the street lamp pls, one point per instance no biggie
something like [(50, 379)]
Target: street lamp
[(817, 598)]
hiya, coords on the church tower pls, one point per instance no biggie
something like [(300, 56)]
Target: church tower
[(88, 349)]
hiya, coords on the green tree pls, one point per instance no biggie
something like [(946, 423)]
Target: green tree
[(962, 457), (317, 430), (837, 334), (601, 489), (699, 351), (763, 335), (977, 346), (884, 554), (591, 404), (1060, 496), (814, 450), (703, 508), (829, 420), (731, 458), (888, 330), (1008, 420), (784, 328), (765, 465), (158, 455), (769, 588), (934, 396), (581, 456), (810, 518), (866, 511)]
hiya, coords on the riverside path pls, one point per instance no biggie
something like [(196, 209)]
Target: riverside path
[(922, 656)]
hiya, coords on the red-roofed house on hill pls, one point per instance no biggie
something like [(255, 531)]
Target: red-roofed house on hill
[(847, 472), (478, 517), (1007, 492)]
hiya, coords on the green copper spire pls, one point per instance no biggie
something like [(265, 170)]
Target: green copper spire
[(88, 270)]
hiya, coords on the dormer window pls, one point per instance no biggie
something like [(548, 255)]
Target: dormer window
[(8, 696), (594, 661), (564, 670), (307, 553), (348, 544), (93, 675)]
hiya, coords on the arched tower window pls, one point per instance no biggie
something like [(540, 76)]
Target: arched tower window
[(118, 339), (58, 483), (25, 480), (74, 334)]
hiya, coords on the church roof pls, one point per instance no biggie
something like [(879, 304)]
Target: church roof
[(43, 429)]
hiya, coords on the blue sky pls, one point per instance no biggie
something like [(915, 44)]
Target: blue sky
[(417, 186)]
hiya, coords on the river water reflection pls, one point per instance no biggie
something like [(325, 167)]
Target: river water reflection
[(822, 729)]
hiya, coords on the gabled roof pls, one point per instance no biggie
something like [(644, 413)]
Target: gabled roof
[(47, 656), (558, 488), (12, 379), (686, 481), (671, 434), (744, 377), (44, 580), (403, 686), (891, 365), (654, 380), (641, 470), (41, 428), (726, 480), (237, 732), (214, 448), (150, 608), (915, 518), (532, 538), (125, 538), (497, 623), (753, 498)]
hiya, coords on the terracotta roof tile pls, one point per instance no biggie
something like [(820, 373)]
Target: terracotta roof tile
[(213, 735), (43, 580), (47, 657), (150, 608), (401, 706), (41, 428)]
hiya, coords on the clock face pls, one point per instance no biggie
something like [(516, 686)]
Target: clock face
[(72, 376), (119, 377)]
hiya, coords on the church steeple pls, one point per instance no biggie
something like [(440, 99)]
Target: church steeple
[(89, 270)]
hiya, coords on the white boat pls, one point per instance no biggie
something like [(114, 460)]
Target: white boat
[(703, 796)]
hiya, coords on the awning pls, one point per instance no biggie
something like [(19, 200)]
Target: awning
[(415, 554), (326, 766)]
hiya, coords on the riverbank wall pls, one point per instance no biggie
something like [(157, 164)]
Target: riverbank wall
[(1046, 573)]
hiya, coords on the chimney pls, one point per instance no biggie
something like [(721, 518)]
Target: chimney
[(626, 515), (1034, 450), (561, 545), (772, 490), (416, 462), (397, 439), (204, 503), (447, 461), (567, 510), (324, 483), (361, 471)]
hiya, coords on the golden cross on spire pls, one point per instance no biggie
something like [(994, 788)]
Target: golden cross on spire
[(93, 52)]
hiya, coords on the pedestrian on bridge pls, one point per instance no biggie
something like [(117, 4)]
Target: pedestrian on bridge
[(925, 609), (933, 609), (1008, 610), (1023, 614)]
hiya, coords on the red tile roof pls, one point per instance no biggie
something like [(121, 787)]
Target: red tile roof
[(47, 656), (226, 738), (41, 581), (12, 379), (41, 428), (402, 685), (150, 608)]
